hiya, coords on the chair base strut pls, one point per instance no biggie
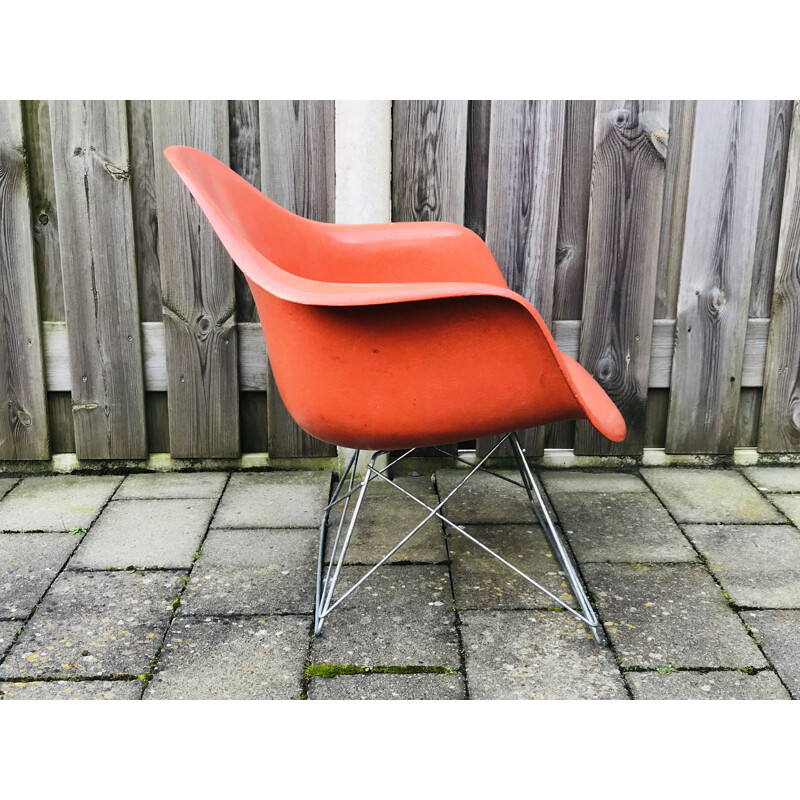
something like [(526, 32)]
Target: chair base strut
[(348, 491)]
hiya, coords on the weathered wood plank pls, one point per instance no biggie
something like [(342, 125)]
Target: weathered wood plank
[(525, 156), (298, 172), (245, 161), (780, 407), (90, 160), (622, 262), (198, 291), (573, 218), (719, 244), (145, 209), (479, 118), (23, 421), (47, 251)]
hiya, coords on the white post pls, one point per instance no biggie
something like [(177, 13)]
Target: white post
[(363, 179)]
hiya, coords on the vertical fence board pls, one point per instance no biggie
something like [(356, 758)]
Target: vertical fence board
[(622, 261), (769, 220), (23, 418), (573, 218), (197, 290), (525, 156), (245, 161), (479, 117), (780, 408), (91, 169), (298, 172), (429, 167), (714, 297)]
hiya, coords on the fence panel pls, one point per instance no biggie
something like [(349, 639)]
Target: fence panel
[(780, 412), (23, 421), (197, 291), (719, 245)]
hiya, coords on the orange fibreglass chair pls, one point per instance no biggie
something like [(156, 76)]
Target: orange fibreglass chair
[(392, 337)]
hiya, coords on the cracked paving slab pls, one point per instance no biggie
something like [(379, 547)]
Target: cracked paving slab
[(709, 495), (274, 500), (29, 562), (56, 503), (72, 690), (232, 659), (778, 633), (385, 518), (536, 655), (729, 685), (669, 614), (164, 485), (95, 623), (145, 534), (758, 565), (388, 687), (481, 582), (253, 572), (401, 616)]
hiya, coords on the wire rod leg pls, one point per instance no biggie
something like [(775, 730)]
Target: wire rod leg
[(554, 539), (330, 581), (350, 471)]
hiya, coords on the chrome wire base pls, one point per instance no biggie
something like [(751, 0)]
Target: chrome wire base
[(348, 490)]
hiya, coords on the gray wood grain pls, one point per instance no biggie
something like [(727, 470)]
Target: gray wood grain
[(729, 143), (198, 291), (145, 209), (525, 157), (297, 172), (780, 407), (23, 419), (245, 161), (622, 261), (479, 118), (92, 182), (573, 219), (429, 152)]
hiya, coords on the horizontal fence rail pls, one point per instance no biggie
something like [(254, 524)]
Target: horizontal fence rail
[(660, 241)]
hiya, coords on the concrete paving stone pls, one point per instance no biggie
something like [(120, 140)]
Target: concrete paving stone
[(669, 614), (709, 495), (29, 562), (557, 481), (72, 690), (758, 565), (56, 503), (6, 485), (230, 659), (387, 687), (536, 655), (145, 534), (624, 526), (775, 479), (401, 616), (484, 499), (161, 485), (8, 630), (481, 582), (779, 634), (274, 500), (789, 504), (254, 572), (385, 518), (733, 685), (95, 623)]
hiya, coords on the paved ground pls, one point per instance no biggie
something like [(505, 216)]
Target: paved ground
[(200, 585)]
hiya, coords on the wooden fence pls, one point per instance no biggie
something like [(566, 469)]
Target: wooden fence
[(660, 240)]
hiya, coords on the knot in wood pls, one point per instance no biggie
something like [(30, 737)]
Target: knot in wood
[(204, 325), (719, 301)]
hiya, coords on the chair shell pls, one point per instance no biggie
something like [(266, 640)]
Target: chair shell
[(394, 335)]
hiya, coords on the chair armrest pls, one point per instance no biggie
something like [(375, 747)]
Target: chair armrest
[(411, 252)]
